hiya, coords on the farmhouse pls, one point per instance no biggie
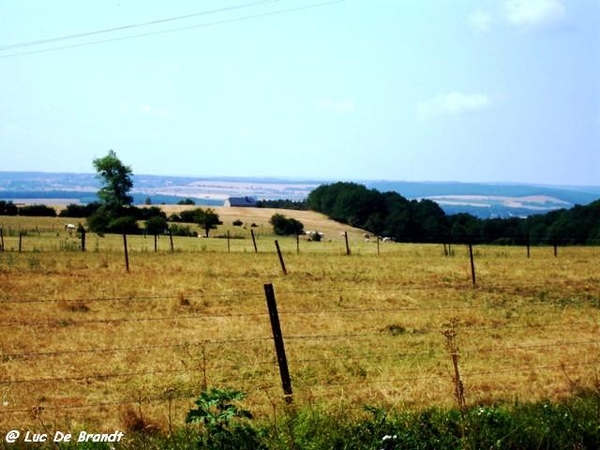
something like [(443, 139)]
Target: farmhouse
[(240, 201)]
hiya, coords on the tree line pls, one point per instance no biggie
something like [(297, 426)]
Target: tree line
[(390, 214), (386, 214)]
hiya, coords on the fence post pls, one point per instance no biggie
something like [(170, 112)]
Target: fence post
[(155, 242), (253, 240), (126, 254), (228, 242), (82, 239), (280, 257), (297, 244), (20, 241), (1, 240), (347, 246), (171, 241), (472, 263), (528, 247), (279, 346)]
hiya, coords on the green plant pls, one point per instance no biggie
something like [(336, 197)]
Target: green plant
[(221, 417)]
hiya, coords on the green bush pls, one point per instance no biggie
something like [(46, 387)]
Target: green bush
[(283, 226), (37, 211)]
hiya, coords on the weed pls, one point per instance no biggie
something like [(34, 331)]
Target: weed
[(222, 419)]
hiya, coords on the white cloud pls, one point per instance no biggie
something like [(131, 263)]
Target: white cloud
[(337, 106), (480, 21), (452, 104), (527, 14)]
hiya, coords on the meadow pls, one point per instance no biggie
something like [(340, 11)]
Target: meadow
[(88, 345)]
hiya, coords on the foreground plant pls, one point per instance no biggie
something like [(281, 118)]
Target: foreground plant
[(223, 420)]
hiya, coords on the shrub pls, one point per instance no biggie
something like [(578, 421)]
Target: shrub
[(37, 211), (8, 208), (156, 225), (283, 226), (74, 210), (182, 230)]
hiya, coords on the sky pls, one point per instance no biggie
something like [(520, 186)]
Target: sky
[(436, 90)]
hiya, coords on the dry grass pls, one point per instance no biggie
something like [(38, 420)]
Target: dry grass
[(95, 345)]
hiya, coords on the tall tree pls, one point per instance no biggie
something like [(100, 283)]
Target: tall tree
[(116, 214), (116, 181), (208, 219)]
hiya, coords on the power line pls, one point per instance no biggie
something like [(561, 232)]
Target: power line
[(172, 30), (137, 25)]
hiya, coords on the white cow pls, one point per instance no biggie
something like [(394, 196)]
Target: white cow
[(70, 228)]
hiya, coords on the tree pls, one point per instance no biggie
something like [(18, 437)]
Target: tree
[(116, 181), (156, 225), (283, 226), (8, 208), (208, 219), (115, 214)]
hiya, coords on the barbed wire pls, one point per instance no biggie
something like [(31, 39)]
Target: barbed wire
[(371, 290)]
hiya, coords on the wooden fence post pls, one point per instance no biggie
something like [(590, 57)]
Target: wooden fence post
[(284, 372), (20, 241), (82, 239), (171, 241), (155, 242), (528, 247), (297, 244), (253, 240), (472, 263), (1, 240), (280, 257), (126, 253), (347, 246)]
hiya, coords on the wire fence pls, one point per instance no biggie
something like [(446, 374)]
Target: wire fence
[(93, 356)]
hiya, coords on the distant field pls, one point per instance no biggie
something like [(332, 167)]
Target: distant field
[(94, 345)]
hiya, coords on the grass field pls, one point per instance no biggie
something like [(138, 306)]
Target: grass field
[(98, 347)]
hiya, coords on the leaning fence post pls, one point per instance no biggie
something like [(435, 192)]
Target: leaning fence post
[(279, 346), (126, 254), (347, 246), (280, 257), (253, 240), (472, 263)]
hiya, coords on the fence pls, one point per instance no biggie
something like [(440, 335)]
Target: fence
[(101, 361)]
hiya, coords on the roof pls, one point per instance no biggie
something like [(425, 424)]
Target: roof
[(240, 201)]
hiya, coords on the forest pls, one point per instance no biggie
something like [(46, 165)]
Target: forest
[(392, 215)]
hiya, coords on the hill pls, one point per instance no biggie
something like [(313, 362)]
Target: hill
[(483, 200)]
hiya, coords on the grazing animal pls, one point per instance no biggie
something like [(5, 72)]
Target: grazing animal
[(314, 235), (70, 228)]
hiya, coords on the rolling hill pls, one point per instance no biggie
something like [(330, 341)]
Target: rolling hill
[(483, 200)]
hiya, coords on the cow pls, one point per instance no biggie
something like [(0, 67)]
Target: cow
[(70, 228)]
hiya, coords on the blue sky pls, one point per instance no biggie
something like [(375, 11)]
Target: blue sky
[(436, 90)]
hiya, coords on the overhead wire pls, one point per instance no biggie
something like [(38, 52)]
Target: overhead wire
[(152, 33), (136, 25)]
